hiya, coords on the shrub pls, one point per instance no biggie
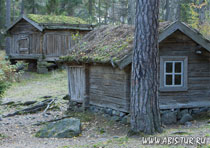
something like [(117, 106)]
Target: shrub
[(8, 73)]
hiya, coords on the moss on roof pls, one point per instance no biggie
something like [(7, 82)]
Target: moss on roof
[(107, 44), (55, 19)]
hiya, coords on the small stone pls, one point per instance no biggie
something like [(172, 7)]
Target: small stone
[(122, 114), (113, 112), (115, 118), (169, 118), (124, 120), (109, 111), (188, 124), (182, 113), (66, 97), (186, 118)]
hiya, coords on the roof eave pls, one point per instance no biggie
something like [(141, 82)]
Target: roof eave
[(36, 25), (195, 36)]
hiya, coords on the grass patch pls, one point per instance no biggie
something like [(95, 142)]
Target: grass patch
[(115, 142), (2, 136), (34, 86), (83, 116), (182, 133)]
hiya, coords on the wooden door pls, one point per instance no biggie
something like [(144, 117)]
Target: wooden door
[(23, 44), (76, 81)]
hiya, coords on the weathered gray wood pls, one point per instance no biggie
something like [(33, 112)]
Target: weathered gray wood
[(77, 83), (86, 99), (23, 17)]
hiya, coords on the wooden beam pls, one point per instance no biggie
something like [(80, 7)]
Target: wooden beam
[(86, 100), (24, 56)]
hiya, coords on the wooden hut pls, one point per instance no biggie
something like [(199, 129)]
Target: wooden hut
[(99, 68), (46, 37)]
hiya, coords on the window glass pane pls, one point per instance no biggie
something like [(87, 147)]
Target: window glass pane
[(169, 67), (178, 67), (178, 79), (168, 79)]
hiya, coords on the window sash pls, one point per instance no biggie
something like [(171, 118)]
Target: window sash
[(173, 73)]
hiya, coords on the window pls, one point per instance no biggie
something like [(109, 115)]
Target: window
[(173, 73)]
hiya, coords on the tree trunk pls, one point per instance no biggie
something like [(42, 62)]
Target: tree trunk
[(99, 11), (202, 11), (178, 14), (113, 12), (106, 11), (22, 7), (145, 114), (33, 9), (131, 12), (8, 13), (8, 22), (90, 7), (167, 10)]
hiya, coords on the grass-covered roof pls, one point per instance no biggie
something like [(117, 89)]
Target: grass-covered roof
[(55, 19), (107, 44)]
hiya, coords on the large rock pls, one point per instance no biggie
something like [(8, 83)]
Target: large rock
[(66, 128), (186, 118), (169, 118)]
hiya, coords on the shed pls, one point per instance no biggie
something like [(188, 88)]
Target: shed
[(99, 68), (47, 37)]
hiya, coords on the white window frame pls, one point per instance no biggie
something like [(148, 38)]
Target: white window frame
[(184, 73), (173, 73)]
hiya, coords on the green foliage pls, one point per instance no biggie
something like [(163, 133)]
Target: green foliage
[(189, 13), (55, 19), (52, 7), (8, 73)]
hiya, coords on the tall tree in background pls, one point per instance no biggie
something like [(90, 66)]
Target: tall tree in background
[(131, 12), (52, 7), (2, 21), (167, 7), (22, 7), (8, 22), (145, 114)]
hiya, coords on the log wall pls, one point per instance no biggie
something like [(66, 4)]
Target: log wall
[(108, 87), (198, 93)]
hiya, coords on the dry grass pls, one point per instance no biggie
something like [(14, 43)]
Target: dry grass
[(34, 86)]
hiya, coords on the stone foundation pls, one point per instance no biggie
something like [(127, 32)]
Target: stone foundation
[(176, 116)]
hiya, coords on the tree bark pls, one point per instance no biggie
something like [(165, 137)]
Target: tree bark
[(202, 11), (131, 12), (34, 8), (90, 7), (22, 7), (99, 11), (106, 11), (178, 14), (8, 22), (8, 13), (113, 11), (145, 114), (167, 10), (13, 11)]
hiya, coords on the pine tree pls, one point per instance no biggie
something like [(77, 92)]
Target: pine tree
[(145, 114)]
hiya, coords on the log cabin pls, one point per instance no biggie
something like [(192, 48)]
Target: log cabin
[(45, 37), (99, 68)]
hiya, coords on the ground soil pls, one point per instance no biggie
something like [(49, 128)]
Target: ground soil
[(98, 130)]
